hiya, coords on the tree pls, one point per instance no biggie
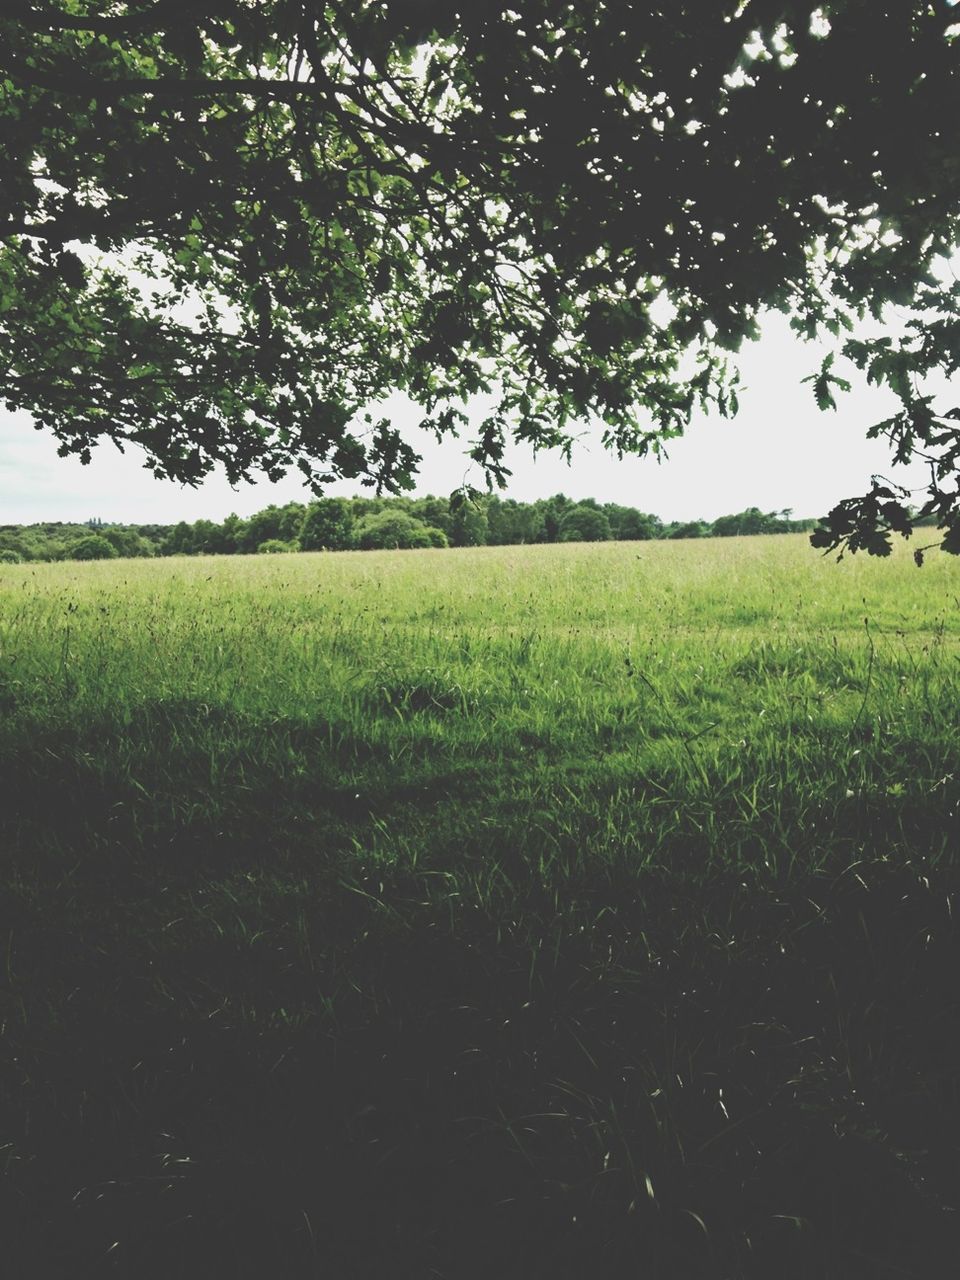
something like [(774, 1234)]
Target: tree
[(726, 527), (327, 526), (433, 511), (584, 523), (263, 526), (510, 522), (234, 531), (127, 542), (291, 520), (229, 227), (392, 531), (691, 529), (17, 545), (179, 540), (752, 521), (205, 538), (226, 539), (629, 525), (468, 522), (551, 510), (94, 546)]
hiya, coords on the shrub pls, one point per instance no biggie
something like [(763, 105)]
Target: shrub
[(8, 556), (392, 531), (92, 547), (22, 546), (276, 546)]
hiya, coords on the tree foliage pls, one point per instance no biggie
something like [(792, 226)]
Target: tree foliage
[(584, 523), (394, 531), (230, 227), (276, 546), (335, 524), (93, 547), (327, 526), (128, 543)]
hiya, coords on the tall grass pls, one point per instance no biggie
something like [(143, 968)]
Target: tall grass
[(576, 910)]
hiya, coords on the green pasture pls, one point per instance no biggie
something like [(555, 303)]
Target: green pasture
[(575, 910)]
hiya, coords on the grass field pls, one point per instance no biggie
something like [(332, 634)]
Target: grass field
[(563, 911)]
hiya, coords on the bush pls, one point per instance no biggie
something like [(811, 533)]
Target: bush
[(92, 547), (23, 547), (276, 546), (8, 556), (389, 531)]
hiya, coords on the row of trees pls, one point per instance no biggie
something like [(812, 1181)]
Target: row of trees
[(338, 524)]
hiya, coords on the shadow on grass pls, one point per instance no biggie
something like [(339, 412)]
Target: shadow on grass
[(465, 1104), (233, 1051)]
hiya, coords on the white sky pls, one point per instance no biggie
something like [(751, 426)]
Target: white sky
[(780, 451)]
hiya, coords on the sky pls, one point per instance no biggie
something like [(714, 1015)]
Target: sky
[(780, 451)]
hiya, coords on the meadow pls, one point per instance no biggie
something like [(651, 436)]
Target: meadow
[(556, 911)]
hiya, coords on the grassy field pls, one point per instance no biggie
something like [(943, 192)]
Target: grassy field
[(562, 911)]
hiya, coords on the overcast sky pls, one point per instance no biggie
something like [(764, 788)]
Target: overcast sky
[(780, 451)]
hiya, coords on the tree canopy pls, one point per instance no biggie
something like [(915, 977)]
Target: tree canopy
[(228, 228)]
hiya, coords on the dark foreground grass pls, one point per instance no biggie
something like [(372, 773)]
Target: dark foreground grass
[(512, 921)]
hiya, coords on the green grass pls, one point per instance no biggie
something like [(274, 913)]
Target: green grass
[(552, 911)]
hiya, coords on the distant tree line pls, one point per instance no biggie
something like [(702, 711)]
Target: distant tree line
[(366, 524)]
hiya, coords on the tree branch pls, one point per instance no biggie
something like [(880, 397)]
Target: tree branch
[(46, 19), (166, 87)]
